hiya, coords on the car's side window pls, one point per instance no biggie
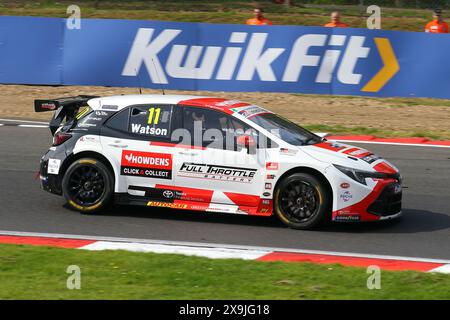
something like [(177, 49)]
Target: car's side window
[(205, 128), (241, 128), (151, 121), (119, 121), (214, 129)]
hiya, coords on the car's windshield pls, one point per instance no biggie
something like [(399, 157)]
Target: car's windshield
[(286, 130)]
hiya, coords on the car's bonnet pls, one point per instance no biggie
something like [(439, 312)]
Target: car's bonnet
[(349, 156)]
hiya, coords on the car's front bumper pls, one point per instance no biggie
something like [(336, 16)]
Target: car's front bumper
[(382, 203)]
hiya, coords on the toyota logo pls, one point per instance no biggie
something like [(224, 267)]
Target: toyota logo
[(168, 194)]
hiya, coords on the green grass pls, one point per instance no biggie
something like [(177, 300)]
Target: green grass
[(220, 11), (417, 101), (28, 272), (380, 133)]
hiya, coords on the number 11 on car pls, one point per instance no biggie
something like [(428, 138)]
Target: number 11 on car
[(151, 112)]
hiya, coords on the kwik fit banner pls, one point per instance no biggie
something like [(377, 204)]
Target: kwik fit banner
[(218, 57)]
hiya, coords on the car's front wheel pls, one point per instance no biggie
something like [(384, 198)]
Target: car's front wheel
[(88, 185), (301, 201)]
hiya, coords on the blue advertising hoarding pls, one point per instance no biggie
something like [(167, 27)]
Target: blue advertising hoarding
[(218, 57), (31, 50)]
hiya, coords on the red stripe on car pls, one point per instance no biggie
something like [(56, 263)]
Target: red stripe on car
[(241, 199), (329, 146), (213, 103), (357, 152), (384, 168)]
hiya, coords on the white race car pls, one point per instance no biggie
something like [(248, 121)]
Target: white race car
[(209, 154)]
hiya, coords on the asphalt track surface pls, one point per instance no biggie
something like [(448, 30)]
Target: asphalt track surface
[(423, 231)]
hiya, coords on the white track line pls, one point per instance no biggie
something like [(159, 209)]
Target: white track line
[(442, 269), (24, 121), (212, 253), (218, 245), (32, 126)]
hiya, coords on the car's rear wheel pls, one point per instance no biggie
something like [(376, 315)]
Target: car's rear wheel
[(88, 185), (301, 201)]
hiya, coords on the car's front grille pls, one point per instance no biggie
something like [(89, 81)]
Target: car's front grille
[(388, 203)]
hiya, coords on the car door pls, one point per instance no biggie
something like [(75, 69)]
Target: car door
[(137, 139), (211, 167)]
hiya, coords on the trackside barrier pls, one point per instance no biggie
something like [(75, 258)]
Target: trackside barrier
[(219, 57)]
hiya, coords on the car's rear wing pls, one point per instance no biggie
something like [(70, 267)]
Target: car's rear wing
[(65, 107)]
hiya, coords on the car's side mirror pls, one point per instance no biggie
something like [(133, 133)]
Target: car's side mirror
[(247, 142)]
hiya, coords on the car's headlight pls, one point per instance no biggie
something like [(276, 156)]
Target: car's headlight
[(360, 175)]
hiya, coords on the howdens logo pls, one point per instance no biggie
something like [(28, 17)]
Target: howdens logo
[(247, 57), (146, 159)]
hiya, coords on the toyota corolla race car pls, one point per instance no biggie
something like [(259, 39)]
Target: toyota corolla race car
[(209, 154)]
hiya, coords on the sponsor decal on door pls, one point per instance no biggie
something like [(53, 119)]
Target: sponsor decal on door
[(146, 164), (215, 172)]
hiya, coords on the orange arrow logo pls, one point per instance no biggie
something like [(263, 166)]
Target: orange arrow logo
[(390, 66)]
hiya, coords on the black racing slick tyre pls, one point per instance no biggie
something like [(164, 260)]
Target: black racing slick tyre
[(88, 185), (301, 201)]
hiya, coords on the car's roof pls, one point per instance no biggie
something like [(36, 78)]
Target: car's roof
[(123, 101)]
